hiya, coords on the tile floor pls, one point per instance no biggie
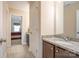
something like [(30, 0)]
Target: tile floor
[(19, 51)]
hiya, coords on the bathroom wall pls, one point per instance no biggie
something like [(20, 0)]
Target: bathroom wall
[(59, 17), (47, 18), (51, 18)]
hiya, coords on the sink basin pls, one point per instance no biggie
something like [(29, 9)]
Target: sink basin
[(63, 42), (58, 39)]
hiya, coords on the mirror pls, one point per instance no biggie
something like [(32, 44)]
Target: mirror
[(71, 19)]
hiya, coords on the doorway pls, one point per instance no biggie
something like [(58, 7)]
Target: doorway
[(16, 29)]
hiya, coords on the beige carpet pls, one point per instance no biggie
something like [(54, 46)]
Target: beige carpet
[(16, 42), (19, 51)]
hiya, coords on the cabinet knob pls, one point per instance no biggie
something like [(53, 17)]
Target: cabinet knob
[(57, 51), (52, 48)]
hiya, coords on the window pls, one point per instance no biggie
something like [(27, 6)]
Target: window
[(16, 28), (16, 23)]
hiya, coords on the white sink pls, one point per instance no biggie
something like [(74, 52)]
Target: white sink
[(63, 42)]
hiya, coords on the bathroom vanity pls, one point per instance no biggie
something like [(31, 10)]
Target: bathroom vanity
[(59, 48)]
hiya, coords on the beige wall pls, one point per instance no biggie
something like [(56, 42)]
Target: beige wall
[(4, 30), (51, 18), (47, 18), (6, 23), (1, 18), (59, 17), (70, 19), (25, 21)]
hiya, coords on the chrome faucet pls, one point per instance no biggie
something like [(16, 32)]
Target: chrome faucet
[(66, 38)]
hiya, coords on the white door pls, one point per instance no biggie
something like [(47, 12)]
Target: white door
[(35, 28), (2, 32)]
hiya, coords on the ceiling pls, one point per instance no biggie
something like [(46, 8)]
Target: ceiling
[(22, 5)]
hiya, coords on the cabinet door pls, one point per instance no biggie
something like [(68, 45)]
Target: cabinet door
[(72, 55), (48, 50), (62, 53)]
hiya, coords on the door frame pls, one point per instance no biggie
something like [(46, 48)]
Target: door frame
[(16, 14), (21, 25)]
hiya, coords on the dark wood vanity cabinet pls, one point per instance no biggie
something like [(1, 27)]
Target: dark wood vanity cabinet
[(52, 51), (48, 50)]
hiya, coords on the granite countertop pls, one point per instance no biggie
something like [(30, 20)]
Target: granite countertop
[(72, 46)]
